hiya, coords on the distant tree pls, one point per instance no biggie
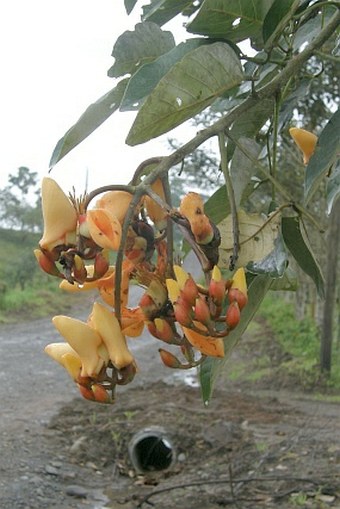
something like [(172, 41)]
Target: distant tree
[(20, 205)]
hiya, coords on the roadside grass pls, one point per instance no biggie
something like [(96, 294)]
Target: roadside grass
[(37, 300), (281, 351), (25, 291)]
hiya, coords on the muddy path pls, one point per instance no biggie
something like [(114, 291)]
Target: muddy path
[(249, 448)]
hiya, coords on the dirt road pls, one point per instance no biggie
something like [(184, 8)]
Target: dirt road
[(274, 449)]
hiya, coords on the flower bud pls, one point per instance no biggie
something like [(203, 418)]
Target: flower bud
[(46, 264), (183, 312), (233, 315), (217, 286), (169, 359), (164, 330), (101, 265), (235, 295), (239, 283), (202, 311), (86, 392), (100, 394)]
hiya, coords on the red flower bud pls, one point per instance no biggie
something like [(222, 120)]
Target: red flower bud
[(233, 315), (169, 359), (100, 394), (190, 291), (183, 312), (86, 392), (235, 295), (101, 265), (202, 311)]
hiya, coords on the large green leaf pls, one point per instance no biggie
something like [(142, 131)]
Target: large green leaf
[(326, 152), (233, 19), (217, 207), (276, 19), (92, 118), (129, 5), (213, 367), (190, 86), (311, 26), (248, 124), (162, 11), (242, 168), (297, 243), (146, 78), (133, 49)]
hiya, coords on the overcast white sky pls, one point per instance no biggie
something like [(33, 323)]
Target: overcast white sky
[(54, 58)]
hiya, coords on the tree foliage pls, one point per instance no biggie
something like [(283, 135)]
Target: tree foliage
[(20, 204), (249, 100)]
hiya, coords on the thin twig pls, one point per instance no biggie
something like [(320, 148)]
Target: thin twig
[(245, 480)]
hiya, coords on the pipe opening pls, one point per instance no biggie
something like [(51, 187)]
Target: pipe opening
[(151, 452)]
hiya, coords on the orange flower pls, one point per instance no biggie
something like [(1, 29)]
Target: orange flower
[(104, 228), (116, 202), (207, 345), (305, 140), (105, 285)]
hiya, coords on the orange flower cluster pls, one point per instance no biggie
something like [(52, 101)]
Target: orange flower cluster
[(76, 246)]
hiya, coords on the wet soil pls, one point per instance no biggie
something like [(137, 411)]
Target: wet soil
[(252, 446)]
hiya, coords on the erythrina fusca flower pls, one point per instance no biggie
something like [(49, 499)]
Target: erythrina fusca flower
[(305, 140), (59, 214)]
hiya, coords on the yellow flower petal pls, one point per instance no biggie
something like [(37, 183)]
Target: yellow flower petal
[(239, 281), (60, 216), (83, 339), (107, 325), (116, 202), (57, 350), (173, 289), (72, 363)]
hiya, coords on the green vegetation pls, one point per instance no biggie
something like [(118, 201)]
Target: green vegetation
[(25, 291), (300, 343)]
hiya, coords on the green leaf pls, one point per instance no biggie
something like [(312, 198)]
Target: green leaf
[(242, 168), (249, 123), (217, 207), (213, 367), (129, 5), (162, 11), (190, 86), (312, 26), (325, 154), (276, 19), (333, 188), (297, 243), (233, 19), (92, 118), (146, 78), (133, 49), (287, 283)]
